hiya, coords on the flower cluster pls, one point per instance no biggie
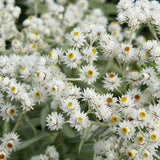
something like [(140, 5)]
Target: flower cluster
[(96, 78)]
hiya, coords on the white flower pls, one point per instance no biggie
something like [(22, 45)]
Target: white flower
[(111, 81), (54, 121), (126, 130), (8, 111), (52, 153), (88, 74), (72, 58), (90, 54), (79, 121), (77, 38), (70, 106), (11, 141)]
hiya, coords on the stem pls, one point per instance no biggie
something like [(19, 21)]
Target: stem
[(140, 131), (2, 31), (157, 156), (5, 127), (18, 122), (72, 79), (130, 37), (36, 8), (100, 124), (96, 89), (153, 31)]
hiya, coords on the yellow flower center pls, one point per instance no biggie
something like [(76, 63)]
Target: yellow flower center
[(124, 99), (38, 74), (15, 42), (10, 145), (13, 88), (134, 70), (76, 33), (142, 114), (125, 130), (24, 68), (70, 55), (109, 99), (11, 111), (61, 38), (34, 46), (53, 89), (2, 156), (140, 139), (137, 96), (156, 122), (90, 73), (94, 50), (114, 23), (130, 154), (143, 76), (154, 136), (30, 17), (115, 33), (114, 119), (147, 54), (50, 54), (145, 155), (111, 75), (70, 104), (127, 48), (37, 94), (80, 119)]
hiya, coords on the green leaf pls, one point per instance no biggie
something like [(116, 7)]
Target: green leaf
[(30, 124), (84, 137), (27, 143), (67, 131), (44, 114)]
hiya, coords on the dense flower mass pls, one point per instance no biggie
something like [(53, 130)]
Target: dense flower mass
[(69, 74)]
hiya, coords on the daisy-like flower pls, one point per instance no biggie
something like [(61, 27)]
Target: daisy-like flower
[(126, 52), (137, 96), (40, 157), (110, 100), (131, 153), (39, 94), (8, 111), (72, 58), (111, 81), (70, 106), (4, 153), (52, 153), (11, 141), (133, 77), (76, 38), (90, 54), (56, 55), (54, 121), (79, 121), (148, 75), (88, 74), (126, 130), (142, 118)]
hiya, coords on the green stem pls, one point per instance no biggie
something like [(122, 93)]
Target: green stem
[(131, 35), (36, 8), (153, 31), (5, 126), (18, 122), (72, 79), (96, 89), (100, 124)]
